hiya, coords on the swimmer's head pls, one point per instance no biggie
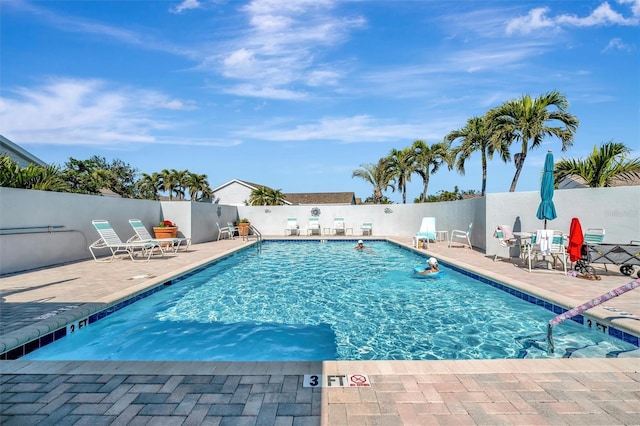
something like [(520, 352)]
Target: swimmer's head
[(359, 241), (432, 261)]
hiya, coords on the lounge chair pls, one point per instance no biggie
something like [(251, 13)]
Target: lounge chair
[(292, 227), (314, 226), (367, 228), (111, 241), (505, 237), (222, 232), (544, 243), (427, 231), (462, 235), (339, 228), (143, 235)]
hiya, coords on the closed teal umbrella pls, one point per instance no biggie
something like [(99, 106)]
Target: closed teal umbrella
[(546, 209)]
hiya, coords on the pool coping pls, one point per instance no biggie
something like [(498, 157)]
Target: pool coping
[(37, 335)]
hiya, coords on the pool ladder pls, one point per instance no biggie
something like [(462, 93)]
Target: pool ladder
[(253, 232)]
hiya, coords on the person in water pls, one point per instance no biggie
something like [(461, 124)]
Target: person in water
[(360, 245), (433, 266)]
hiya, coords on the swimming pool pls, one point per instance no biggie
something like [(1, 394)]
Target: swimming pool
[(326, 301)]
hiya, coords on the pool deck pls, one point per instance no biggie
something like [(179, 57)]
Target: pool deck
[(533, 392)]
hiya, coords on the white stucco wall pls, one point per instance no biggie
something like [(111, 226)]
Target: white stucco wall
[(615, 209)]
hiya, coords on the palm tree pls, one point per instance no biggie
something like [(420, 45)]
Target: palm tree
[(378, 176), (198, 184), (530, 121), (181, 178), (476, 136), (43, 178), (428, 160), (264, 196), (401, 165), (603, 167), (149, 185)]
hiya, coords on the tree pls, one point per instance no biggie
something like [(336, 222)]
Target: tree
[(401, 165), (476, 136), (169, 183), (149, 186), (378, 176), (43, 178), (198, 187), (428, 160), (530, 121), (92, 175), (602, 168), (264, 196)]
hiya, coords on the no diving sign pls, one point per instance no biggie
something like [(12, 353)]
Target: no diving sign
[(336, 381)]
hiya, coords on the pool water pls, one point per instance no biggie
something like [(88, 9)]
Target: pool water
[(316, 301)]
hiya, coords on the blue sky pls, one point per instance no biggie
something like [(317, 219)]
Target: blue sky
[(297, 94)]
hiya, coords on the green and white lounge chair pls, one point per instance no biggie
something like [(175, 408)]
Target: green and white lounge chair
[(292, 227), (339, 228), (427, 232), (111, 241), (314, 226), (367, 228), (143, 235)]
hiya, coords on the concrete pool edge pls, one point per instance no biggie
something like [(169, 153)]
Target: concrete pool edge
[(431, 367)]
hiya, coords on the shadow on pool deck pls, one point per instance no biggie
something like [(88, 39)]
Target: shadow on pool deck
[(559, 391)]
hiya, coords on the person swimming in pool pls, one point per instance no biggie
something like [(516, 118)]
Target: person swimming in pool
[(360, 245), (433, 266)]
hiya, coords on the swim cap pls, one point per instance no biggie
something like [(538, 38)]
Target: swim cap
[(359, 241), (432, 261)]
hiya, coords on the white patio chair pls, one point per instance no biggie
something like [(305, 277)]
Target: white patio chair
[(292, 227), (222, 232), (366, 228), (314, 226), (506, 239), (339, 228), (546, 243), (461, 235)]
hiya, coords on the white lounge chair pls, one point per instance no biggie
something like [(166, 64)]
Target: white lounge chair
[(292, 227), (426, 232), (143, 235), (222, 232), (505, 237), (111, 241), (314, 226), (339, 228), (366, 228), (462, 235)]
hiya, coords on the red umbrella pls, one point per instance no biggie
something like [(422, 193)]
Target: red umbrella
[(576, 238)]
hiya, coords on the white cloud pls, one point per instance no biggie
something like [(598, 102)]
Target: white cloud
[(355, 129), (84, 112), (186, 5), (277, 54), (617, 44), (603, 15)]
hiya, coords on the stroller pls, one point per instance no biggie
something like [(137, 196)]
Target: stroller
[(627, 256)]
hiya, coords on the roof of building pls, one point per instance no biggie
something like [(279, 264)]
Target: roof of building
[(576, 181), (18, 154), (308, 198)]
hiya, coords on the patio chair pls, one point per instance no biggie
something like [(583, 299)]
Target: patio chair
[(505, 237), (594, 236), (367, 228), (427, 231), (222, 232), (292, 227), (233, 229), (462, 235), (143, 235), (339, 228), (544, 243), (314, 226), (111, 241)]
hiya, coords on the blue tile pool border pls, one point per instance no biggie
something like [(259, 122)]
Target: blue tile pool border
[(48, 338)]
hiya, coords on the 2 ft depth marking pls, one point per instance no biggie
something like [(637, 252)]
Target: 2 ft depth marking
[(336, 381)]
